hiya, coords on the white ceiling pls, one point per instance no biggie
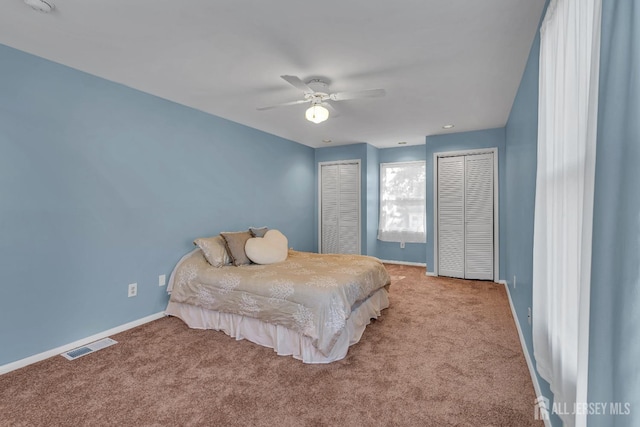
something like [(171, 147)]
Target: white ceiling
[(440, 61)]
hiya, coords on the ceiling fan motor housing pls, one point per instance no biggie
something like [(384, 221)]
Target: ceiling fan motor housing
[(318, 86)]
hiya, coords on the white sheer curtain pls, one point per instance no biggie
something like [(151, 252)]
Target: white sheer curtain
[(403, 202), (567, 113)]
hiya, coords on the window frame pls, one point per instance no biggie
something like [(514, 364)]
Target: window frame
[(399, 239)]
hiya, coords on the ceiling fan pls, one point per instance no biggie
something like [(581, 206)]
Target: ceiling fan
[(316, 93)]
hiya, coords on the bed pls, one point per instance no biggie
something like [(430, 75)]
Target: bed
[(310, 306)]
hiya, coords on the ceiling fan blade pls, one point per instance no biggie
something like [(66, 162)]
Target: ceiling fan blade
[(370, 93), (331, 108), (285, 104), (296, 82)]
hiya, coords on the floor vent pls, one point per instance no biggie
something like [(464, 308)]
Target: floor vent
[(89, 348)]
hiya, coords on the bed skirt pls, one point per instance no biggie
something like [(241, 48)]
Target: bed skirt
[(282, 340)]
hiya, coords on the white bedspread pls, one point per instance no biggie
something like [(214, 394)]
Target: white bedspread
[(310, 294)]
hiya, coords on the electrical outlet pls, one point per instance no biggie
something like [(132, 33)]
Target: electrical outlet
[(401, 245), (529, 315), (162, 280), (514, 281), (133, 290)]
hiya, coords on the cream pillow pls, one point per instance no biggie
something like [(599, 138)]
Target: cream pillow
[(214, 250), (269, 249)]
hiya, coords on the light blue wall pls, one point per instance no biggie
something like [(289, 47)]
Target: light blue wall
[(521, 163), (614, 372), (102, 186), (373, 198), (489, 138), (370, 158), (412, 252), (614, 354)]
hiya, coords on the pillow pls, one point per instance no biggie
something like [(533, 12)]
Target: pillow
[(214, 250), (234, 242), (269, 249), (258, 231)]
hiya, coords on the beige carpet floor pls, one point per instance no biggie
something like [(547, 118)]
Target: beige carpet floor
[(445, 353)]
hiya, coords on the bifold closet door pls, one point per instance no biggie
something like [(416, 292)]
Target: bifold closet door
[(465, 216), (340, 208), (451, 216), (478, 198)]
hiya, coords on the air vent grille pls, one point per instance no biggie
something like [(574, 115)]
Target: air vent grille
[(89, 348)]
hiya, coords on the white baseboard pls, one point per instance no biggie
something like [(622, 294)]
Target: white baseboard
[(532, 372), (433, 274), (415, 264), (54, 352)]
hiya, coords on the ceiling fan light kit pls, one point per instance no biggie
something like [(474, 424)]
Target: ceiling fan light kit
[(317, 113)]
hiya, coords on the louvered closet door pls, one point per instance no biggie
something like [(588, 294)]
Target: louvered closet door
[(465, 216), (479, 217), (329, 209), (451, 216), (349, 221), (340, 208)]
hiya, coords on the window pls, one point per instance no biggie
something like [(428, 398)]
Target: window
[(403, 202)]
